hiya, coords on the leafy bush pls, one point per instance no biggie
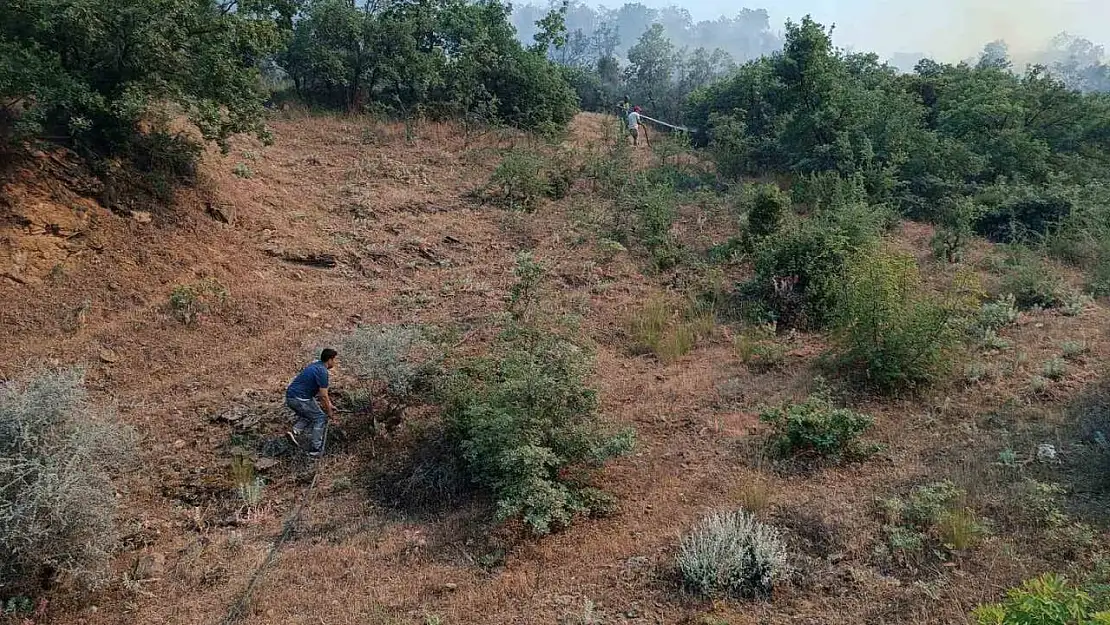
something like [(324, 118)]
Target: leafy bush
[(188, 302), (997, 314), (954, 231), (816, 427), (758, 349), (1046, 600), (933, 511), (890, 332), (768, 207), (398, 357), (520, 180), (732, 554), (1055, 369), (1030, 280), (798, 272), (656, 209), (527, 427), (57, 501)]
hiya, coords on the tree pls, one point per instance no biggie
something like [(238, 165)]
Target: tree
[(652, 64), (86, 73)]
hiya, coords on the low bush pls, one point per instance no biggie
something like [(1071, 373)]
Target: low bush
[(892, 334), (189, 302), (656, 210), (520, 180), (767, 207), (527, 427), (399, 358), (731, 554), (1030, 280), (758, 350), (954, 230), (798, 273), (995, 315), (57, 501), (816, 427), (1046, 600), (932, 512)]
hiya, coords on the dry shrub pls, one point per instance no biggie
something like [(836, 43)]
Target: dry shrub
[(732, 554), (57, 501)]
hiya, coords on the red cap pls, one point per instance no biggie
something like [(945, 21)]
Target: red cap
[(636, 108)]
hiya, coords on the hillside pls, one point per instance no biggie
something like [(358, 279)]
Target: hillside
[(395, 219)]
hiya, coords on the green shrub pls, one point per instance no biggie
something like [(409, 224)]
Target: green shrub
[(57, 501), (758, 349), (1030, 280), (816, 427), (1046, 600), (656, 209), (827, 190), (997, 314), (526, 425), (242, 170), (102, 76), (767, 209), (733, 555), (954, 231), (1074, 304), (890, 332), (520, 180), (798, 272), (1055, 369), (934, 511)]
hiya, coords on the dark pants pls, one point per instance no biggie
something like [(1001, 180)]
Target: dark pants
[(310, 417)]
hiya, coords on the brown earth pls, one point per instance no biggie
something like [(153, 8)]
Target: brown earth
[(82, 286)]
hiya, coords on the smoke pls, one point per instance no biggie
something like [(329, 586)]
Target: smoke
[(952, 30)]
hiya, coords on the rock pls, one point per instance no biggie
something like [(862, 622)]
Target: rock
[(142, 217), (1046, 453), (265, 463), (223, 213), (109, 356), (451, 587), (179, 444)]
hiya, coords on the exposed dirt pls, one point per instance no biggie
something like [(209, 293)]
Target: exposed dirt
[(83, 286)]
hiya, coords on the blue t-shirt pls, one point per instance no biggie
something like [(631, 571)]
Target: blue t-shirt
[(309, 381)]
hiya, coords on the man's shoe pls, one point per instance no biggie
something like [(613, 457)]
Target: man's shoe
[(315, 454)]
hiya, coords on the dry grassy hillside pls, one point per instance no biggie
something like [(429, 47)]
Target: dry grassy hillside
[(393, 219)]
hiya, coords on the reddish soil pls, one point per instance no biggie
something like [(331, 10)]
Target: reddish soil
[(411, 246)]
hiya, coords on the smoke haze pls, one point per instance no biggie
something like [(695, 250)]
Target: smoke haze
[(948, 30)]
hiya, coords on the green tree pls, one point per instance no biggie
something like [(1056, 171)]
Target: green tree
[(86, 72)]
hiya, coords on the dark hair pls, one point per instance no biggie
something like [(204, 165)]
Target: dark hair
[(328, 354)]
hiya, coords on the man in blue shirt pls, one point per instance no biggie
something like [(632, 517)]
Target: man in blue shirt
[(300, 397)]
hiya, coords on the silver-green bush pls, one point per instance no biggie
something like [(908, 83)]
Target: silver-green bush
[(397, 356), (732, 554), (57, 501)]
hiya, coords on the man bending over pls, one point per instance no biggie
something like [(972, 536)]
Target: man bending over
[(300, 397)]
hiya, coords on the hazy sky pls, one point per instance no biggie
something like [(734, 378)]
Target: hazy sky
[(947, 29)]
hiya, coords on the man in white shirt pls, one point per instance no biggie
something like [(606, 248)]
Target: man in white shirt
[(634, 125)]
